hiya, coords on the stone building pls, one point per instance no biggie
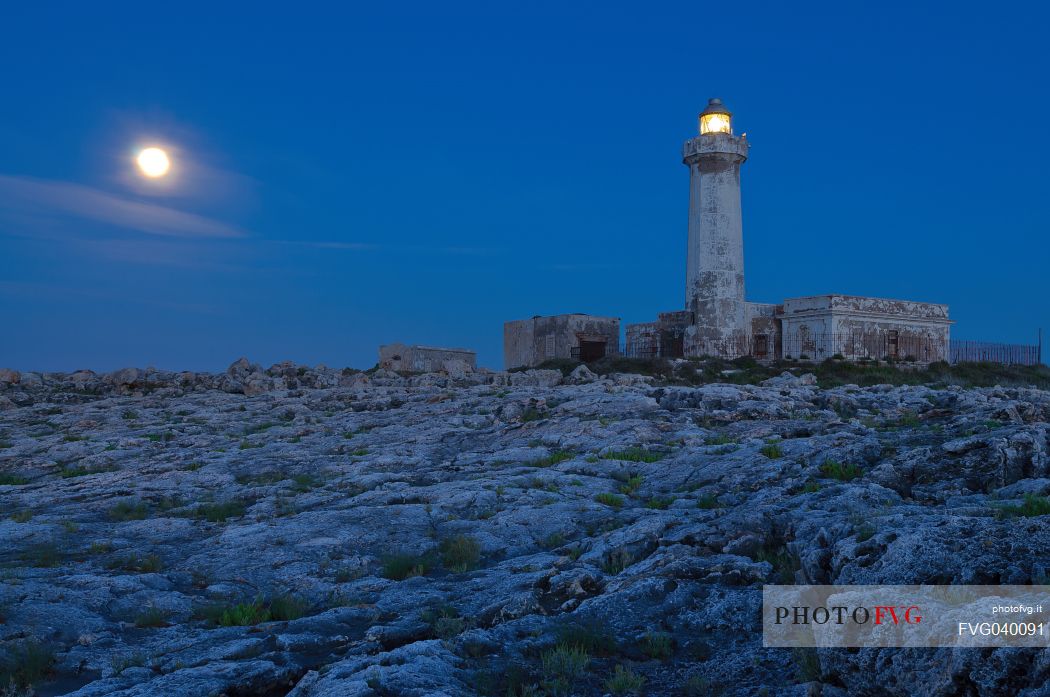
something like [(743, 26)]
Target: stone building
[(529, 342), (719, 321), (823, 326), (425, 359)]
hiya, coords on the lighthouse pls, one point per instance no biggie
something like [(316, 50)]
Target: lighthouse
[(715, 253)]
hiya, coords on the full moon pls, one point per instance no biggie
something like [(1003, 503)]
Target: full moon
[(153, 162)]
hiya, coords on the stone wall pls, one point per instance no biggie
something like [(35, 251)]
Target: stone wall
[(529, 342), (425, 359)]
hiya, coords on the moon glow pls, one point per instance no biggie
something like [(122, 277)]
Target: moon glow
[(153, 162)]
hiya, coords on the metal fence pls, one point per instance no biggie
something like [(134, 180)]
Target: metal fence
[(1007, 354)]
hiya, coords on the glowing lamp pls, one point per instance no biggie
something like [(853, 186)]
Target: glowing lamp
[(715, 118)]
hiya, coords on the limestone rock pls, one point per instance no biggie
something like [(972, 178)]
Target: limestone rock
[(581, 375)]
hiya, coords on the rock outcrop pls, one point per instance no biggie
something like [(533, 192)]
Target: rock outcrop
[(318, 532)]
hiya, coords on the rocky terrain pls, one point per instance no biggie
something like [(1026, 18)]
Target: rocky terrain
[(313, 532)]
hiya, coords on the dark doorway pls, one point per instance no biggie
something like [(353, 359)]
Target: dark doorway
[(591, 350), (893, 343), (672, 344)]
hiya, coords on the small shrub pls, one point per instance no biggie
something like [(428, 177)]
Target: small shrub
[(611, 500), (553, 541), (708, 502), (152, 617), (220, 512), (129, 415), (43, 556), (398, 567), (1031, 507), (631, 485), (807, 664), (443, 622), (12, 479), (784, 563), (633, 454), (657, 645), (285, 608), (720, 439), (23, 516), (592, 636), (134, 563), (659, 503), (772, 451), (25, 664), (129, 510), (616, 562), (699, 686), (123, 662), (553, 459), (865, 532), (460, 553), (100, 547), (239, 615), (563, 666), (842, 472), (624, 681), (811, 488)]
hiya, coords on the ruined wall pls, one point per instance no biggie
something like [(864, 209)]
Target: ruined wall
[(529, 342), (662, 338), (764, 326), (423, 359)]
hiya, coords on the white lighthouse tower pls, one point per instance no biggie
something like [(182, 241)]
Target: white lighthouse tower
[(715, 256)]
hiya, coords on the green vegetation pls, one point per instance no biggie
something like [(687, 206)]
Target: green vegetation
[(563, 666), (632, 454), (12, 479), (772, 451), (784, 563), (811, 488), (624, 681), (843, 472), (258, 428), (152, 617), (720, 439), (832, 372), (616, 562), (23, 516), (553, 459), (611, 500), (43, 556), (281, 608), (142, 565), (129, 415), (123, 662), (659, 503), (1031, 506), (69, 471), (398, 567), (460, 553), (657, 645), (443, 622), (165, 437), (631, 484), (708, 502), (220, 512), (23, 665), (592, 636), (129, 510), (865, 532), (807, 664)]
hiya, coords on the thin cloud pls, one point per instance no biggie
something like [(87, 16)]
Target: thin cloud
[(65, 198), (372, 247)]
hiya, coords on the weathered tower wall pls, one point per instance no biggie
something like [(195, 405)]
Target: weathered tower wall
[(715, 253)]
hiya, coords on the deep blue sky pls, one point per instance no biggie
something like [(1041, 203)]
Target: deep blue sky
[(424, 172)]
